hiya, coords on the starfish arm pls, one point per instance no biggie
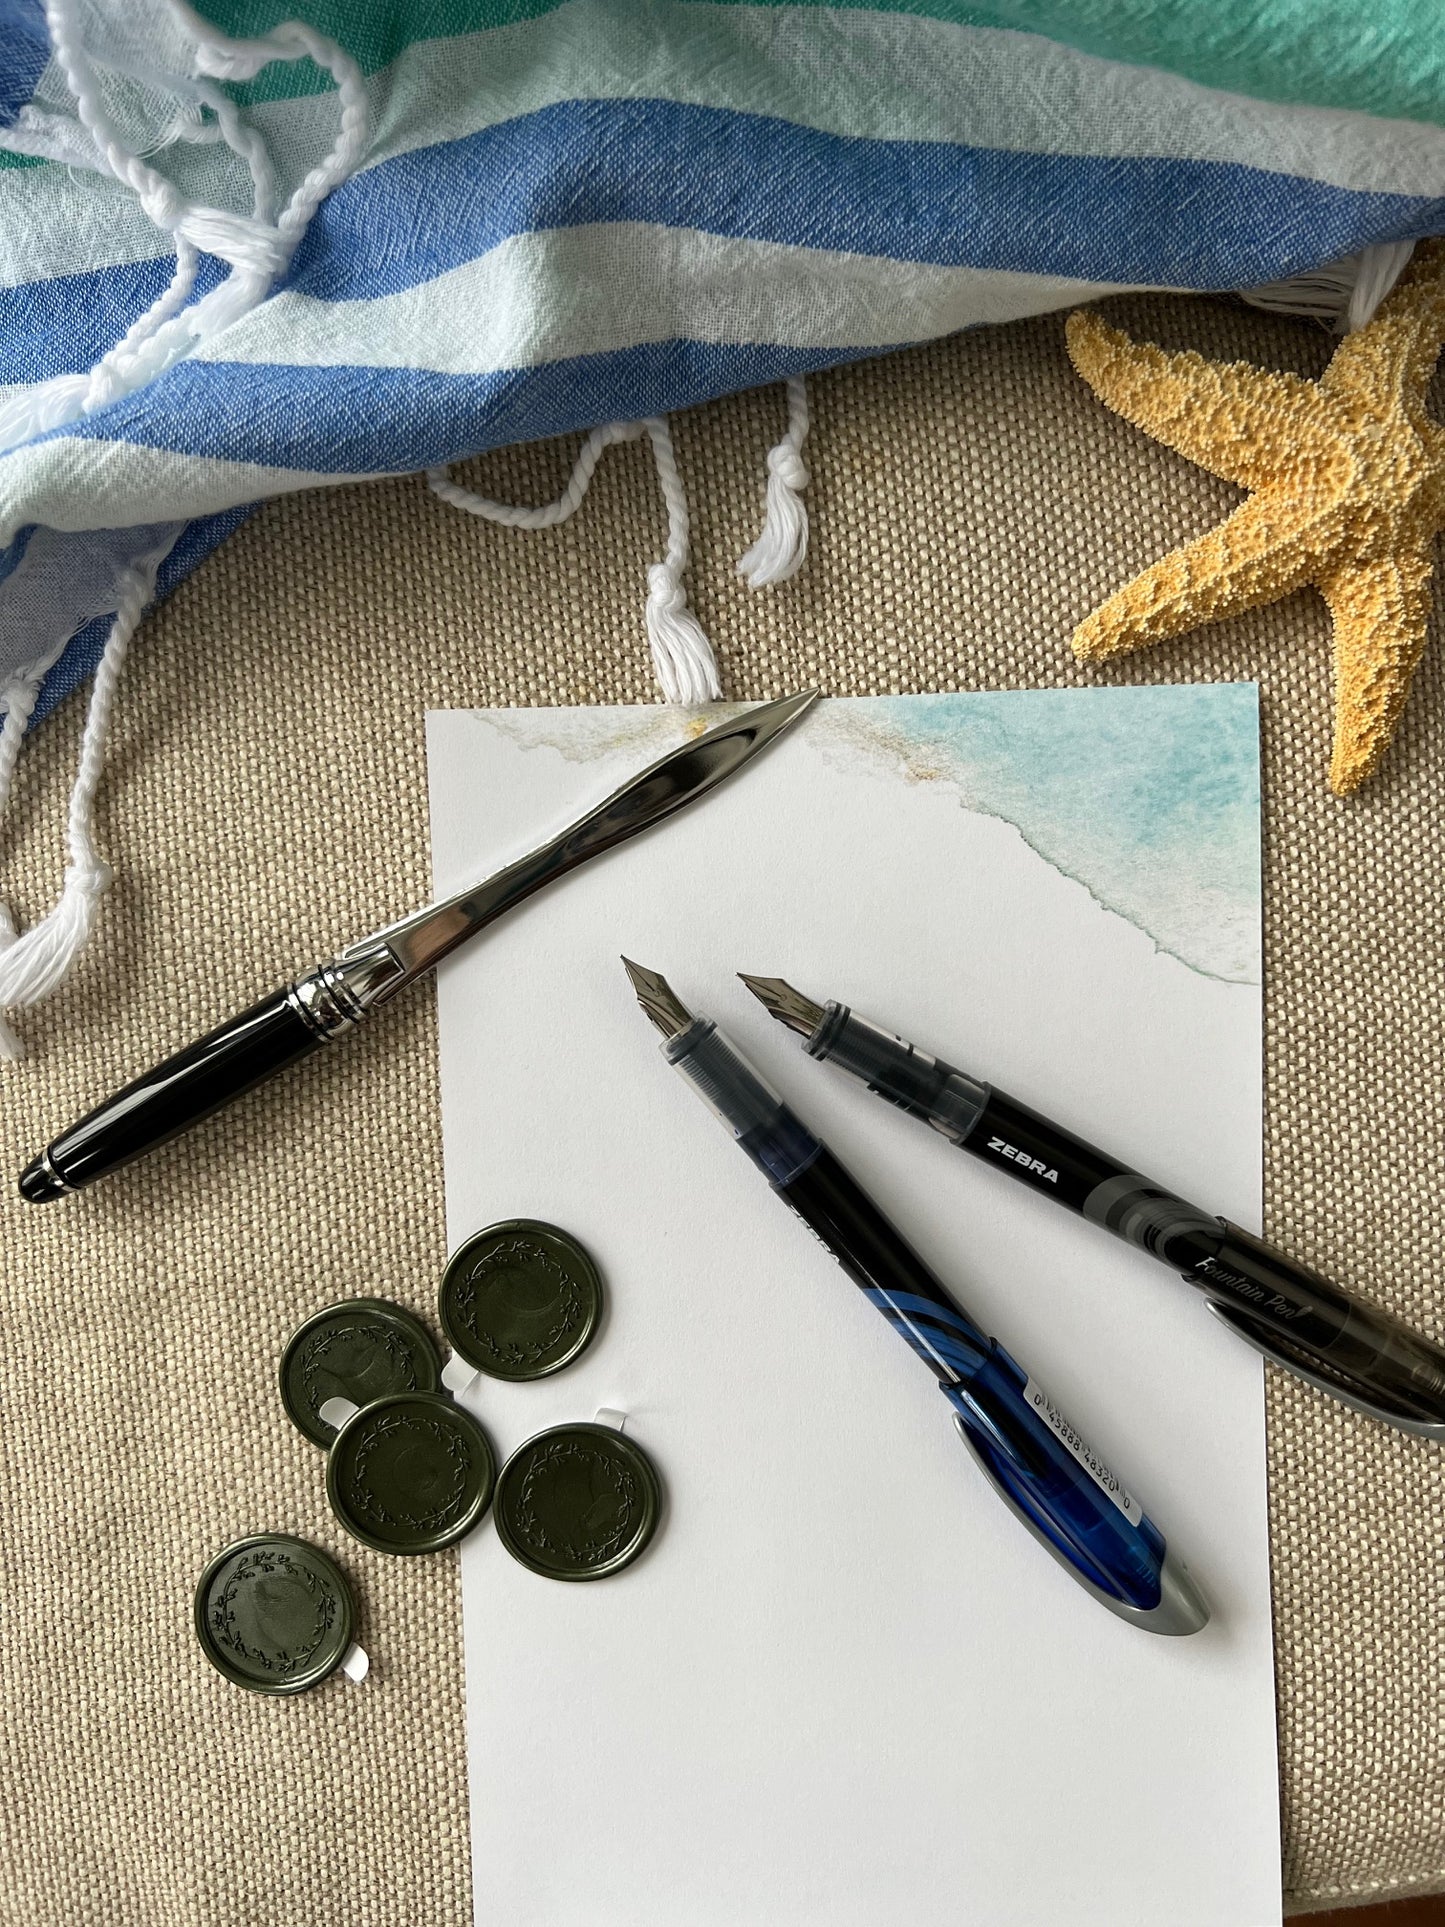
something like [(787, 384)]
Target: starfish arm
[(1396, 353), (1260, 553), (1240, 422), (1381, 612)]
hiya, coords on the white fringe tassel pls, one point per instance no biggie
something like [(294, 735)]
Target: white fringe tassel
[(257, 247), (1380, 268), (686, 666), (681, 653), (35, 964), (1344, 295), (779, 550)]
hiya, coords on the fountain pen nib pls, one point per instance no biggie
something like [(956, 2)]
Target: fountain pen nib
[(789, 1006), (658, 999)]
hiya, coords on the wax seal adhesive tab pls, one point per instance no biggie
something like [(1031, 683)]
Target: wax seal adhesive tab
[(361, 1350), (410, 1473), (520, 1299), (578, 1502), (274, 1614)]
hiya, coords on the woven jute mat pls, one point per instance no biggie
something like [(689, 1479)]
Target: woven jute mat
[(266, 802)]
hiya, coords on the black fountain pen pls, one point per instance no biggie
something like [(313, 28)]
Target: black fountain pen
[(330, 1001), (1331, 1339)]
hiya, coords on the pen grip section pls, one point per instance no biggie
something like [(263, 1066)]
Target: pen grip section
[(184, 1089), (742, 1100), (948, 1100), (1041, 1463), (1046, 1469)]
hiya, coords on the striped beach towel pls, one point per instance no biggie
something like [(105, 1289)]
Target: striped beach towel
[(261, 251)]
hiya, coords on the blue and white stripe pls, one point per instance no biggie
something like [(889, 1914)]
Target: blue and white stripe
[(602, 213)]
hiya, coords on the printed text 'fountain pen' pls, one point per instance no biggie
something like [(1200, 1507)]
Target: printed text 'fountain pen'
[(1356, 1352), (330, 1001), (1037, 1462)]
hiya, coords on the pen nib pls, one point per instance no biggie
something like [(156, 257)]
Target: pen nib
[(789, 1006), (658, 999)]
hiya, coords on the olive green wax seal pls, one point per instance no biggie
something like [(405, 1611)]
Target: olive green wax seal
[(360, 1350), (412, 1472), (274, 1614), (520, 1300), (577, 1502)]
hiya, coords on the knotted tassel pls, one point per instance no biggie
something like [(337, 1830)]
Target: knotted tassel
[(33, 965), (779, 550), (686, 666), (258, 247), (36, 963), (681, 652)]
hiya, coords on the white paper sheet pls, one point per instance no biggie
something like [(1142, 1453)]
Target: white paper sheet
[(844, 1686)]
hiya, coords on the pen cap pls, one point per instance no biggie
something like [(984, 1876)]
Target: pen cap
[(757, 1117), (948, 1099)]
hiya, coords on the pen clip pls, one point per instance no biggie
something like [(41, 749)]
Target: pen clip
[(1339, 1386)]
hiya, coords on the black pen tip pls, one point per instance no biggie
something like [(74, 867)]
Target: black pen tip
[(788, 1006)]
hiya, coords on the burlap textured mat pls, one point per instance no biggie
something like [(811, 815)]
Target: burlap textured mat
[(266, 801)]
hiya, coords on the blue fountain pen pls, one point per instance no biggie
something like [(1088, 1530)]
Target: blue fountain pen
[(1035, 1459)]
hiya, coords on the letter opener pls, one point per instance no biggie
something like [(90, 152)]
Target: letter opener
[(330, 1001)]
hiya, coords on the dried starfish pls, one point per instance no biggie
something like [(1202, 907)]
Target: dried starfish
[(1347, 481)]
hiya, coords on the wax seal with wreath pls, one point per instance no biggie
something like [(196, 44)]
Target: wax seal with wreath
[(410, 1473), (274, 1614), (520, 1300), (578, 1502), (360, 1351)]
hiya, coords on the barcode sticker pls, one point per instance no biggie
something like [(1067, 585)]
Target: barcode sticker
[(1074, 1442)]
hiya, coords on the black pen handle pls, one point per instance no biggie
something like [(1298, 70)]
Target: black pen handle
[(1294, 1316), (174, 1096)]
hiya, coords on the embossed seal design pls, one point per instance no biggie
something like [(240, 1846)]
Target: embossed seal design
[(412, 1472), (265, 1599), (362, 1350), (273, 1614), (359, 1361), (578, 1502), (520, 1299), (538, 1302)]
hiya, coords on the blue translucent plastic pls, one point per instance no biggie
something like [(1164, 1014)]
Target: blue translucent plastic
[(1026, 1457), (1044, 1479)]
